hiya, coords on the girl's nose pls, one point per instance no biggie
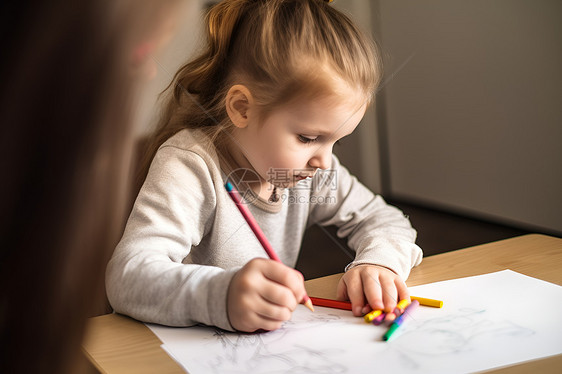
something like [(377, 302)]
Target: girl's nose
[(322, 158)]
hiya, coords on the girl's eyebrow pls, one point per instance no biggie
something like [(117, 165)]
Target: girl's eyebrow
[(321, 132), (317, 132)]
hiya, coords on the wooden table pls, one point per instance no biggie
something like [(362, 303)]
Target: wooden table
[(118, 344)]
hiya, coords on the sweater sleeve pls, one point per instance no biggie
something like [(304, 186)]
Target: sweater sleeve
[(145, 277), (379, 234)]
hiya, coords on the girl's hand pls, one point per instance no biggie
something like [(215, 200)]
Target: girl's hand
[(371, 287), (263, 294)]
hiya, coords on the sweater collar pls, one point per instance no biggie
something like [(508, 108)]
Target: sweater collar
[(241, 177)]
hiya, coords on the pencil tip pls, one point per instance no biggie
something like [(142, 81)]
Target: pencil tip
[(309, 305)]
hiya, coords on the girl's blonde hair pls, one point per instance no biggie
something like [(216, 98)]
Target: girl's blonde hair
[(279, 49)]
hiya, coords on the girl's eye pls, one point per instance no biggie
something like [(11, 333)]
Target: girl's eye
[(306, 140)]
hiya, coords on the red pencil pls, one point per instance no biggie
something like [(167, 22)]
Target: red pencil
[(257, 231), (337, 304)]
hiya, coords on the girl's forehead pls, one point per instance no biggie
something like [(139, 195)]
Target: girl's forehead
[(333, 104), (324, 116)]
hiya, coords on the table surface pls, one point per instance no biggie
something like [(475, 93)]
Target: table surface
[(119, 344)]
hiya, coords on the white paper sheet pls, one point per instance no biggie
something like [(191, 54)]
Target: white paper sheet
[(487, 321)]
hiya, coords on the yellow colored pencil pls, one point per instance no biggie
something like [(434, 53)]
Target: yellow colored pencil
[(428, 302), (369, 317)]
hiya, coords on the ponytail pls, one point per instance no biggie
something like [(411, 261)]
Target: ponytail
[(203, 75), (195, 94)]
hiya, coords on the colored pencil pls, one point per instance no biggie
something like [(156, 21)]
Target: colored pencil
[(369, 317), (346, 305), (428, 302), (336, 304), (258, 232), (400, 320), (402, 304), (377, 321)]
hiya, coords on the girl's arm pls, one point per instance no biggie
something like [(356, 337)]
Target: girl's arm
[(382, 237), (146, 278), (379, 233)]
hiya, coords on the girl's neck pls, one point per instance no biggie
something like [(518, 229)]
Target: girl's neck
[(257, 184)]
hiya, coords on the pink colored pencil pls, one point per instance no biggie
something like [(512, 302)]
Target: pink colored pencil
[(257, 231), (377, 321)]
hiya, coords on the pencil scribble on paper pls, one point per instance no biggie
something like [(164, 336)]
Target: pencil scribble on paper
[(264, 352), (486, 323), (455, 333)]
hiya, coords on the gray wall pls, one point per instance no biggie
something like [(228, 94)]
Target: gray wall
[(473, 120)]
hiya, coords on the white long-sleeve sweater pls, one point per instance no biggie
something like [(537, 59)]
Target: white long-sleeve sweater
[(185, 238)]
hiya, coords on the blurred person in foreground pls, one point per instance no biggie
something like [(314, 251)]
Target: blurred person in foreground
[(69, 75)]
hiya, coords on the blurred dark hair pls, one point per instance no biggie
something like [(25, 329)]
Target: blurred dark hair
[(66, 91)]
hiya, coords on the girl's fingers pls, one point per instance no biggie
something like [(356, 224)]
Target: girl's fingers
[(284, 276), (271, 311), (378, 286), (354, 290), (389, 293), (254, 321), (341, 291), (261, 295), (373, 291), (277, 294), (402, 289)]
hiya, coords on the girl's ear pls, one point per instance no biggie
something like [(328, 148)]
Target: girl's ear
[(238, 104)]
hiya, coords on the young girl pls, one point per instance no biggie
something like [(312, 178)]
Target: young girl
[(280, 82)]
